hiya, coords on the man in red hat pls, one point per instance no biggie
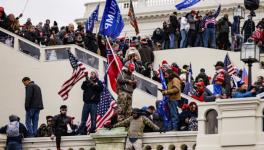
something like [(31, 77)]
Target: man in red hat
[(199, 90), (126, 83), (216, 90)]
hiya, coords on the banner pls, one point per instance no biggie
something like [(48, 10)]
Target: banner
[(186, 4), (112, 22)]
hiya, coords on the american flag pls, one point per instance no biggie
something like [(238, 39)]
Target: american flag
[(105, 109), (79, 72), (229, 67), (132, 17)]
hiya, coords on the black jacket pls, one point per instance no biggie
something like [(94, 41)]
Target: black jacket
[(248, 27), (146, 54), (60, 123), (22, 131), (33, 96), (92, 91)]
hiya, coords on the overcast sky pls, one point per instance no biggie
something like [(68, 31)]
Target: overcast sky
[(63, 11)]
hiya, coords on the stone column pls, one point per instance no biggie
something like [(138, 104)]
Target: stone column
[(238, 122), (110, 139)]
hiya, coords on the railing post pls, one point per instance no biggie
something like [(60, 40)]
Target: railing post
[(110, 139)]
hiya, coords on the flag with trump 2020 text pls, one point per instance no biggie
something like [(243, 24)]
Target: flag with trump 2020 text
[(112, 22), (186, 4), (79, 72), (90, 21)]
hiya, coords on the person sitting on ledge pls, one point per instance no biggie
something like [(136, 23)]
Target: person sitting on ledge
[(46, 130), (242, 91), (136, 125)]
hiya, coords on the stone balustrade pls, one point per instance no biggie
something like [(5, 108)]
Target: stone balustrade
[(109, 140)]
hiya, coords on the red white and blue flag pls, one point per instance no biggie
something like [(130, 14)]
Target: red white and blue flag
[(245, 76), (105, 109), (79, 72), (229, 67)]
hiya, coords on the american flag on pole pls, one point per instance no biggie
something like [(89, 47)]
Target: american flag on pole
[(132, 17), (229, 67), (105, 109), (79, 72)]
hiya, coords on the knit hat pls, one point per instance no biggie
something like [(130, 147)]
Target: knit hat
[(219, 63), (13, 118), (220, 78), (164, 62)]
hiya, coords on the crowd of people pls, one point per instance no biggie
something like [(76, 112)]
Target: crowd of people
[(137, 55)]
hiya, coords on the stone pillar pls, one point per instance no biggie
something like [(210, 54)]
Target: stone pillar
[(110, 139), (238, 122)]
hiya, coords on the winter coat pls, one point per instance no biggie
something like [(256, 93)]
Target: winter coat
[(92, 91), (146, 54), (158, 36), (235, 28), (191, 21), (208, 96), (122, 82), (248, 27), (184, 24), (174, 24), (33, 97), (60, 123), (224, 25)]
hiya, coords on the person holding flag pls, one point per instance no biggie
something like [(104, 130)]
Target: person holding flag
[(126, 83), (92, 88), (174, 94)]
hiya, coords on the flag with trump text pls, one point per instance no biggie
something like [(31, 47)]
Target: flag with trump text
[(90, 21), (112, 22), (229, 67), (186, 4), (132, 17), (79, 72), (105, 109)]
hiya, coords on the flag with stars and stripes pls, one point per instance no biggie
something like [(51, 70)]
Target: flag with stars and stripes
[(229, 67), (79, 72), (105, 109)]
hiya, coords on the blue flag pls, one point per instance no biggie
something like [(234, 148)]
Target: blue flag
[(90, 21), (186, 4), (162, 106), (112, 22)]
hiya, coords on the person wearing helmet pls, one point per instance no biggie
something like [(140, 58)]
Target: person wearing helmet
[(136, 123), (126, 83)]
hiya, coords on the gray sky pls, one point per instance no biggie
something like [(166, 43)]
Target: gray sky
[(63, 11)]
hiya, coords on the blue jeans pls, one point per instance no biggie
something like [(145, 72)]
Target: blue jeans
[(14, 146), (199, 40), (172, 40), (209, 35), (183, 43), (32, 118), (173, 106), (88, 109)]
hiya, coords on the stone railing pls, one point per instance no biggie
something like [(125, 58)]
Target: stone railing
[(110, 140), (235, 124)]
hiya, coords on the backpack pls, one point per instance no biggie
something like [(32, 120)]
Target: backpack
[(12, 129)]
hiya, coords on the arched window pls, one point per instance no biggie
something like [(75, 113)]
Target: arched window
[(211, 123)]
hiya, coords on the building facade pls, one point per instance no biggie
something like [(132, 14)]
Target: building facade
[(152, 13)]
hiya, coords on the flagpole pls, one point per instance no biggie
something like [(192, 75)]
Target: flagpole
[(113, 54)]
